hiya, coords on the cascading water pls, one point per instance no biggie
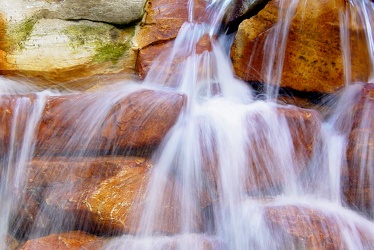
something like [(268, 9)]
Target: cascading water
[(234, 171)]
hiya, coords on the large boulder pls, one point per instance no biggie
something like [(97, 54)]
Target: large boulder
[(74, 240), (103, 195), (134, 121), (358, 181), (115, 12), (286, 223), (307, 55), (59, 51)]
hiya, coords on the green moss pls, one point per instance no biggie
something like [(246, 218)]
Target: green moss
[(110, 52), (80, 34), (104, 39), (21, 32)]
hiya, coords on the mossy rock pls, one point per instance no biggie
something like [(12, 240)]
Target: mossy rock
[(63, 50)]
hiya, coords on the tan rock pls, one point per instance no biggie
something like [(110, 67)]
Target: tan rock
[(116, 12), (313, 59), (358, 181), (75, 240), (59, 51)]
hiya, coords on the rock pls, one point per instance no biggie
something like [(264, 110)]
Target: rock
[(311, 228), (159, 27), (299, 223), (116, 12), (266, 169), (70, 241), (313, 60), (136, 121), (95, 194), (104, 195), (358, 181), (155, 55), (188, 241), (240, 10), (163, 19), (59, 51)]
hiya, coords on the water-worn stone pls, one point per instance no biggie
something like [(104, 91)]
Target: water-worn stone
[(116, 12), (75, 240), (266, 169), (313, 228), (159, 27), (358, 181), (104, 195), (136, 121), (96, 194), (59, 51), (313, 59)]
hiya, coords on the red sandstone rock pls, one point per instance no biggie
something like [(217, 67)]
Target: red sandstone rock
[(72, 123), (159, 28), (66, 241), (359, 180), (309, 228), (105, 194)]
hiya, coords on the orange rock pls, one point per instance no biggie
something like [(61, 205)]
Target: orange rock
[(105, 195), (139, 120), (70, 241), (358, 181), (310, 228), (313, 59), (160, 27)]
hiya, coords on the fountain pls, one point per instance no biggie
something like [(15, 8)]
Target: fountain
[(191, 157)]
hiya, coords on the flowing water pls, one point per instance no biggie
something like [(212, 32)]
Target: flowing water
[(236, 156)]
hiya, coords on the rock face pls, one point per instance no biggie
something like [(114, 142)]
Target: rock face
[(102, 195), (311, 228), (59, 50), (127, 123), (313, 60), (359, 183), (265, 168), (159, 28), (116, 12), (66, 241)]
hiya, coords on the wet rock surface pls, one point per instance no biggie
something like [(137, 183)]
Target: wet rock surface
[(313, 60), (66, 241), (138, 120), (311, 228), (159, 27), (265, 169), (359, 180)]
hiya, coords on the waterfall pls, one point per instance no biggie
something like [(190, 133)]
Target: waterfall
[(235, 169)]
